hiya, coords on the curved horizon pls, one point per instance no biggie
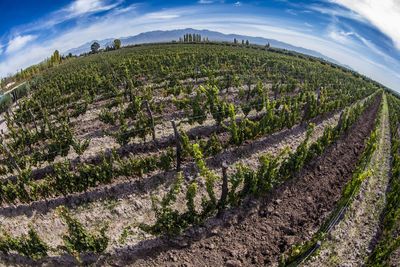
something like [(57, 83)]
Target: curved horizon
[(361, 35)]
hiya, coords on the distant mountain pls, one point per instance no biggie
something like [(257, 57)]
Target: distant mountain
[(174, 35), (86, 47)]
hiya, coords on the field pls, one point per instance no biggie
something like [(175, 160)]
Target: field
[(207, 154)]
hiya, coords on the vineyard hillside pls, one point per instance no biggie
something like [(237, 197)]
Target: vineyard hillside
[(199, 153)]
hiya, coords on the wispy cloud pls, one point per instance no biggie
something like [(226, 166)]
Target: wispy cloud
[(80, 7), (204, 2), (162, 15), (344, 44), (19, 42), (338, 35), (291, 12), (207, 2), (335, 11), (76, 9), (308, 25), (383, 14)]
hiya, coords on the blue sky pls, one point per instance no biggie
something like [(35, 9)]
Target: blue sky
[(363, 34)]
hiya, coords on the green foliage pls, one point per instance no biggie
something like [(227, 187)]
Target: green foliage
[(80, 146), (78, 240), (123, 135), (117, 44), (40, 130), (167, 159), (168, 220), (390, 239), (213, 146), (210, 179), (235, 181), (5, 103), (30, 245), (95, 47), (186, 146), (249, 178), (190, 204), (359, 175), (233, 127), (296, 160), (198, 113), (133, 107), (311, 107), (107, 117), (268, 172), (217, 107)]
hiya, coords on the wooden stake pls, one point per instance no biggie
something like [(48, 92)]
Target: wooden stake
[(248, 90), (152, 120), (224, 193), (318, 96), (178, 146), (340, 122), (34, 120)]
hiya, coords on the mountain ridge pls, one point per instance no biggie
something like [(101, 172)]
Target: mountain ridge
[(158, 36)]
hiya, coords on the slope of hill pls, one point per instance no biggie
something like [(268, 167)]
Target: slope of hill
[(167, 36), (236, 164)]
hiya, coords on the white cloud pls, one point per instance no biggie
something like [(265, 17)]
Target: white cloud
[(80, 7), (339, 36), (371, 46), (308, 25), (162, 15), (205, 1), (383, 14), (133, 22), (346, 54), (238, 3), (335, 11), (291, 12), (19, 42)]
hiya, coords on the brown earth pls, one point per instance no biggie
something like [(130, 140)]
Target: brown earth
[(122, 187), (395, 258), (133, 203), (260, 231)]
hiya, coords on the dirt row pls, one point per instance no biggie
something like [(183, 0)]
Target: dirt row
[(164, 138), (85, 123), (258, 233), (350, 242), (128, 202), (248, 153), (395, 258)]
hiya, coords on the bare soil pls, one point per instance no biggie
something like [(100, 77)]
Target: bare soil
[(395, 259), (127, 202), (350, 242), (258, 233)]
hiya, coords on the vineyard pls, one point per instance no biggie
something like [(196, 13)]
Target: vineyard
[(200, 154)]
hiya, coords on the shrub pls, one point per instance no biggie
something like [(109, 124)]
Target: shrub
[(78, 239)]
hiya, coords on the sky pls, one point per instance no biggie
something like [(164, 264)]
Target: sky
[(363, 34)]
